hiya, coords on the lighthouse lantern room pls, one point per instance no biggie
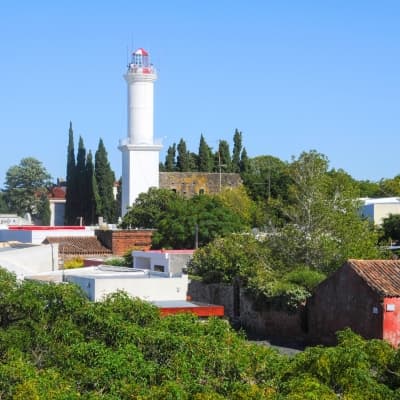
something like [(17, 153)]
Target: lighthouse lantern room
[(140, 154)]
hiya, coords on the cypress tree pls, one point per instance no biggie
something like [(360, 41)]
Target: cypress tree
[(183, 159), (237, 149), (105, 179), (224, 156), (92, 196), (71, 194), (205, 157), (193, 161), (244, 161), (170, 163), (80, 176)]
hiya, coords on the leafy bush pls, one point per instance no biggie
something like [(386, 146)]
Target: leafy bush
[(55, 344), (305, 277), (76, 262), (117, 261)]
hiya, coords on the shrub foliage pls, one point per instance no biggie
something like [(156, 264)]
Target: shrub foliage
[(55, 344)]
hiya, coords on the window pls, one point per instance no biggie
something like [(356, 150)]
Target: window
[(158, 268)]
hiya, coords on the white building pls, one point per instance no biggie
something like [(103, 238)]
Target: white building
[(166, 262), (37, 234), (378, 209), (24, 259), (140, 154)]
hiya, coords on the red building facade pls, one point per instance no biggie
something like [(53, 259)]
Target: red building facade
[(363, 295)]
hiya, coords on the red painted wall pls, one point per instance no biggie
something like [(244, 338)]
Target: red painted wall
[(391, 320)]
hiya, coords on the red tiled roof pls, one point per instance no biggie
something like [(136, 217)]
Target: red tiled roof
[(57, 192), (383, 276), (80, 245)]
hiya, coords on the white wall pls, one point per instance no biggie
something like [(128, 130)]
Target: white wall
[(376, 212), (30, 260), (7, 235), (37, 237), (149, 289)]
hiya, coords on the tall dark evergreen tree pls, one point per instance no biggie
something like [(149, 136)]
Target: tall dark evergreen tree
[(237, 150), (183, 158), (43, 211), (223, 157), (193, 161), (244, 161), (205, 158), (105, 179), (71, 195), (170, 162), (92, 199), (80, 179)]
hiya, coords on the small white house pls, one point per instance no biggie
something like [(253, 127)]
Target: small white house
[(164, 262), (98, 282)]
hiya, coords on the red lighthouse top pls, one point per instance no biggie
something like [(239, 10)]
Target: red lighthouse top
[(141, 52), (141, 62)]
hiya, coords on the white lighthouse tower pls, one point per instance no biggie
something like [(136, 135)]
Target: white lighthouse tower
[(140, 154)]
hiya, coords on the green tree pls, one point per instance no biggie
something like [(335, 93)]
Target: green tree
[(223, 160), (92, 198), (324, 227), (105, 179), (3, 204), (244, 161), (148, 208), (234, 256), (369, 189), (170, 161), (205, 157), (237, 151), (176, 228), (71, 197), (81, 183), (43, 210), (183, 158), (176, 217), (24, 185), (351, 370), (240, 202), (266, 177), (55, 344), (390, 187), (391, 227)]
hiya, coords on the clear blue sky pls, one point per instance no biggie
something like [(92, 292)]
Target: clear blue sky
[(291, 75)]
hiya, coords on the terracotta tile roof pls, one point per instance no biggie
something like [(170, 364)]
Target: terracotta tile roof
[(383, 276), (57, 192), (79, 245)]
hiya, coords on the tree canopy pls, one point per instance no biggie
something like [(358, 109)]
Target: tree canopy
[(90, 188), (105, 179), (25, 186), (55, 344), (176, 218)]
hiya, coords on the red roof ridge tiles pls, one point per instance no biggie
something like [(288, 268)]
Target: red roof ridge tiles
[(382, 276), (79, 245)]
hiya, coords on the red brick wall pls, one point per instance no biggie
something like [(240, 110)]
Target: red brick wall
[(120, 241)]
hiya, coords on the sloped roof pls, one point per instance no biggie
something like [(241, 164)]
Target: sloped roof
[(383, 276), (57, 192), (82, 245)]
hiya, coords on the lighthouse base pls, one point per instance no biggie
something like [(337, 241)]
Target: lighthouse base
[(140, 171)]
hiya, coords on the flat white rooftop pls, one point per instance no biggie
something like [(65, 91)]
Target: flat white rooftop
[(381, 200)]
